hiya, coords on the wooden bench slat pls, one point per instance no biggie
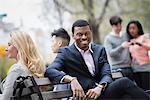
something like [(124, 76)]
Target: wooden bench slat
[(57, 94), (46, 81), (53, 95), (43, 81)]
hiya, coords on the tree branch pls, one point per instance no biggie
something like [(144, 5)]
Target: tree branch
[(62, 6), (121, 10), (103, 11), (89, 7), (65, 8), (59, 12)]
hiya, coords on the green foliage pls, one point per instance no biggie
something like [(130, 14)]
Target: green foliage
[(5, 64)]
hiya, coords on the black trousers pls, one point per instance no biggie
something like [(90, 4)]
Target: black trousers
[(143, 80), (123, 88), (126, 72)]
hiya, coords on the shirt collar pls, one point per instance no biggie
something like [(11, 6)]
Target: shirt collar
[(80, 50), (115, 34)]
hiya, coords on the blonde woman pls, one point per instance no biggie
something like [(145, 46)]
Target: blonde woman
[(28, 62)]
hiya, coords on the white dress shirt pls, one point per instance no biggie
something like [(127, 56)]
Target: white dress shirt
[(88, 58)]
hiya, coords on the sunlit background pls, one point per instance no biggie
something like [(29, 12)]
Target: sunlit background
[(29, 16), (40, 17)]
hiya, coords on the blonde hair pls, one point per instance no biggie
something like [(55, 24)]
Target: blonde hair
[(27, 53)]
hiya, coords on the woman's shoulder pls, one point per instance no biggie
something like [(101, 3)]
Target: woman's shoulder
[(17, 67), (146, 35), (143, 38)]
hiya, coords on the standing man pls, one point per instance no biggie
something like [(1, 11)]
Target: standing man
[(116, 44), (86, 67)]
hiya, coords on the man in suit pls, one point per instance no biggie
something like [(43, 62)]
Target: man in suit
[(85, 66)]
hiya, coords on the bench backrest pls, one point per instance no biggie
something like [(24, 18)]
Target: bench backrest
[(39, 89), (47, 95)]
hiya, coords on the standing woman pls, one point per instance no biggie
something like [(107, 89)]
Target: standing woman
[(28, 62), (139, 47)]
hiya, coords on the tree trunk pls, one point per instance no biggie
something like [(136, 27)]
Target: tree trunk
[(95, 29)]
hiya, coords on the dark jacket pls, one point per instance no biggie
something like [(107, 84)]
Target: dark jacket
[(70, 61)]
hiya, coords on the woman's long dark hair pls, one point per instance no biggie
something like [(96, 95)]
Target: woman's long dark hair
[(139, 26)]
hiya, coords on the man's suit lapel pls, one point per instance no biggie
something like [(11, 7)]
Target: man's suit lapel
[(95, 58), (80, 58)]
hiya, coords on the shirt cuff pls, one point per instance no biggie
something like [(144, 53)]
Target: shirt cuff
[(61, 81), (104, 85)]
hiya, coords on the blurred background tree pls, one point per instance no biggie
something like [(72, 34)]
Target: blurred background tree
[(98, 12), (87, 9)]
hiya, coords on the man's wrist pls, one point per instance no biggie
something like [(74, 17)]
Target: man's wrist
[(100, 86), (73, 78), (68, 78)]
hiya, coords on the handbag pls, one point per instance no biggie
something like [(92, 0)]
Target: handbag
[(24, 87)]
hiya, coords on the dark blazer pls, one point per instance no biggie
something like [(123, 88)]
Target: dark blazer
[(70, 61)]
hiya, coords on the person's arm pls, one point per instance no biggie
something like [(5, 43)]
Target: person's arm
[(54, 73), (8, 84), (105, 80), (111, 51), (76, 88), (105, 70), (143, 40), (146, 41)]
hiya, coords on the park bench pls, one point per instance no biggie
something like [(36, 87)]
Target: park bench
[(116, 74), (33, 90), (30, 89)]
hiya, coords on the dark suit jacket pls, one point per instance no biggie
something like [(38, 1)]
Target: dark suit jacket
[(70, 61)]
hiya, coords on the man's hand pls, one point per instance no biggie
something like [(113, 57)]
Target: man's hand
[(77, 90), (94, 93), (132, 41), (125, 44)]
